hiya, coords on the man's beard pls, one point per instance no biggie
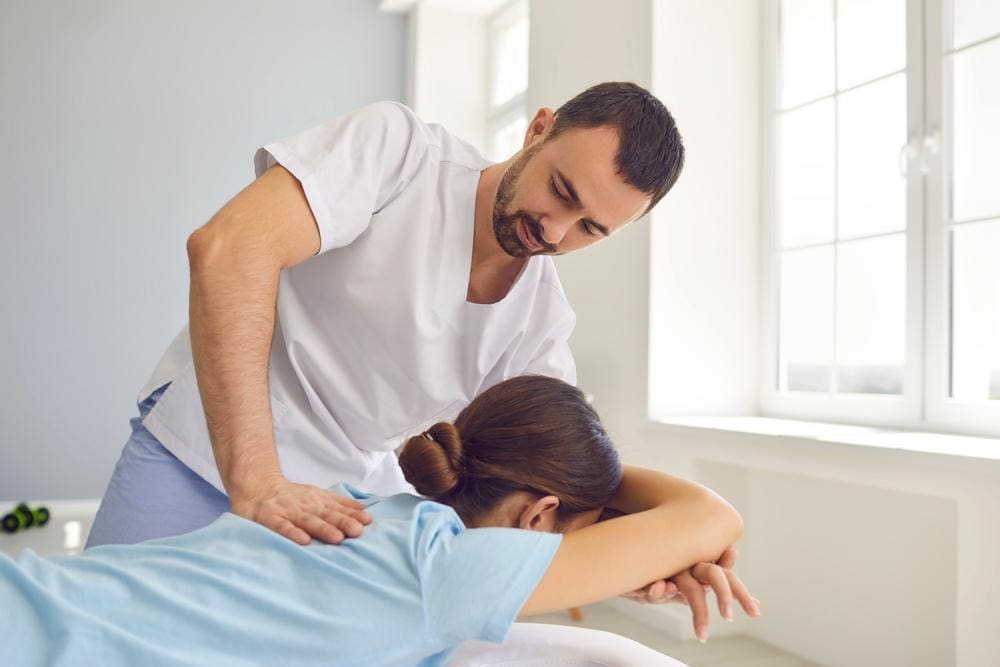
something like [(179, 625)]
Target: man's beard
[(505, 223)]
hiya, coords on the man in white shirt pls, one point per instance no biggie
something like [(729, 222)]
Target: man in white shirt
[(375, 277)]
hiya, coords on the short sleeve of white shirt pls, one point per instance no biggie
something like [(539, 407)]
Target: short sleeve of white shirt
[(554, 357), (351, 167)]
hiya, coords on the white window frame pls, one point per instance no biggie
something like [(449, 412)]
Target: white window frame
[(498, 116), (924, 403)]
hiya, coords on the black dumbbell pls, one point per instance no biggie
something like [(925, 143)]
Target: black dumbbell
[(23, 517)]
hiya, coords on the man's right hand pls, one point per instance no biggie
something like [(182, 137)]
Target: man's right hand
[(301, 512)]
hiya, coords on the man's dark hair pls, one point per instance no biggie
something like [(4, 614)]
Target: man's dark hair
[(650, 151)]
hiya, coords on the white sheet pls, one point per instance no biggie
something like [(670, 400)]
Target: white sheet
[(542, 645)]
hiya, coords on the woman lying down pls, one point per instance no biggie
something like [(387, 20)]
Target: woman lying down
[(507, 527)]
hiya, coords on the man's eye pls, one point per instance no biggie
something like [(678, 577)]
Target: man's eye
[(588, 229), (555, 191)]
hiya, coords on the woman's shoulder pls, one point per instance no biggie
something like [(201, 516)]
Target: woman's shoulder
[(424, 513)]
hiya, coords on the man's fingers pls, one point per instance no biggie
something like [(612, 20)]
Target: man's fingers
[(347, 524), (301, 512), (346, 506), (320, 529), (695, 596), (348, 502), (289, 530)]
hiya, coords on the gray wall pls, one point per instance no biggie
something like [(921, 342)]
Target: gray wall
[(124, 126)]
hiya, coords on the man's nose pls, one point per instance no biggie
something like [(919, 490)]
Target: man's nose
[(555, 228)]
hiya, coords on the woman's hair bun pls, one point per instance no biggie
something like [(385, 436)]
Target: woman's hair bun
[(432, 461)]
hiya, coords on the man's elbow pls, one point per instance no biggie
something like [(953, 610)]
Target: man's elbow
[(197, 244), (216, 245)]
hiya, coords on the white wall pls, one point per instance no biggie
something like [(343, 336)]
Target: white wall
[(704, 301), (124, 126), (447, 69), (575, 44)]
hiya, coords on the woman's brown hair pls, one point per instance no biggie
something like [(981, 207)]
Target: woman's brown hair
[(530, 433)]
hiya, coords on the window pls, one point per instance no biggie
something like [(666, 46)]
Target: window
[(882, 214), (508, 80)]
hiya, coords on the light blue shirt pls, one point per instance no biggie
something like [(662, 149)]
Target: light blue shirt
[(413, 586)]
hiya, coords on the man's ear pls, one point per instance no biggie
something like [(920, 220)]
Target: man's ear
[(539, 126), (540, 515)]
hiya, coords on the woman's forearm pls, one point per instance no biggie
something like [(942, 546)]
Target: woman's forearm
[(654, 492), (669, 525), (643, 489)]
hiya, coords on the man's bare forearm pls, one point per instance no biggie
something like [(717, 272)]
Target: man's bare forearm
[(232, 303)]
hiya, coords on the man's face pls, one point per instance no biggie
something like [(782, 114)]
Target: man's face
[(562, 195)]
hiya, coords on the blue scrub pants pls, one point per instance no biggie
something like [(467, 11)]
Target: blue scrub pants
[(151, 493)]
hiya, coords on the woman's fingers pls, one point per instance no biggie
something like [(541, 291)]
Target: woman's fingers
[(715, 576), (749, 603), (728, 558), (695, 596)]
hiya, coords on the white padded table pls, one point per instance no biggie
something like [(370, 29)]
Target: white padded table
[(543, 645)]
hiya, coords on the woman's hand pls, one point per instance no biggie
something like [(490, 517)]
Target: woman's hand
[(301, 511), (691, 587)]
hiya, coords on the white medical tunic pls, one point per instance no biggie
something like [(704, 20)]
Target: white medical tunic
[(374, 340)]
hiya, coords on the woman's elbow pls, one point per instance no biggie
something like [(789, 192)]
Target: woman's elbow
[(726, 524), (734, 524)]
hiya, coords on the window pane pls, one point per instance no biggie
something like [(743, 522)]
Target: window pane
[(806, 50), (871, 39), (975, 20), (508, 138), (510, 55), (975, 114), (805, 174), (872, 130), (806, 330), (871, 315), (975, 324)]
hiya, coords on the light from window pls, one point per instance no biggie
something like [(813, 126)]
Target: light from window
[(976, 111), (510, 54), (806, 174), (871, 315), (509, 137), (807, 51), (976, 312), (871, 39), (806, 334), (974, 63), (975, 20), (871, 190), (841, 197), (507, 119)]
